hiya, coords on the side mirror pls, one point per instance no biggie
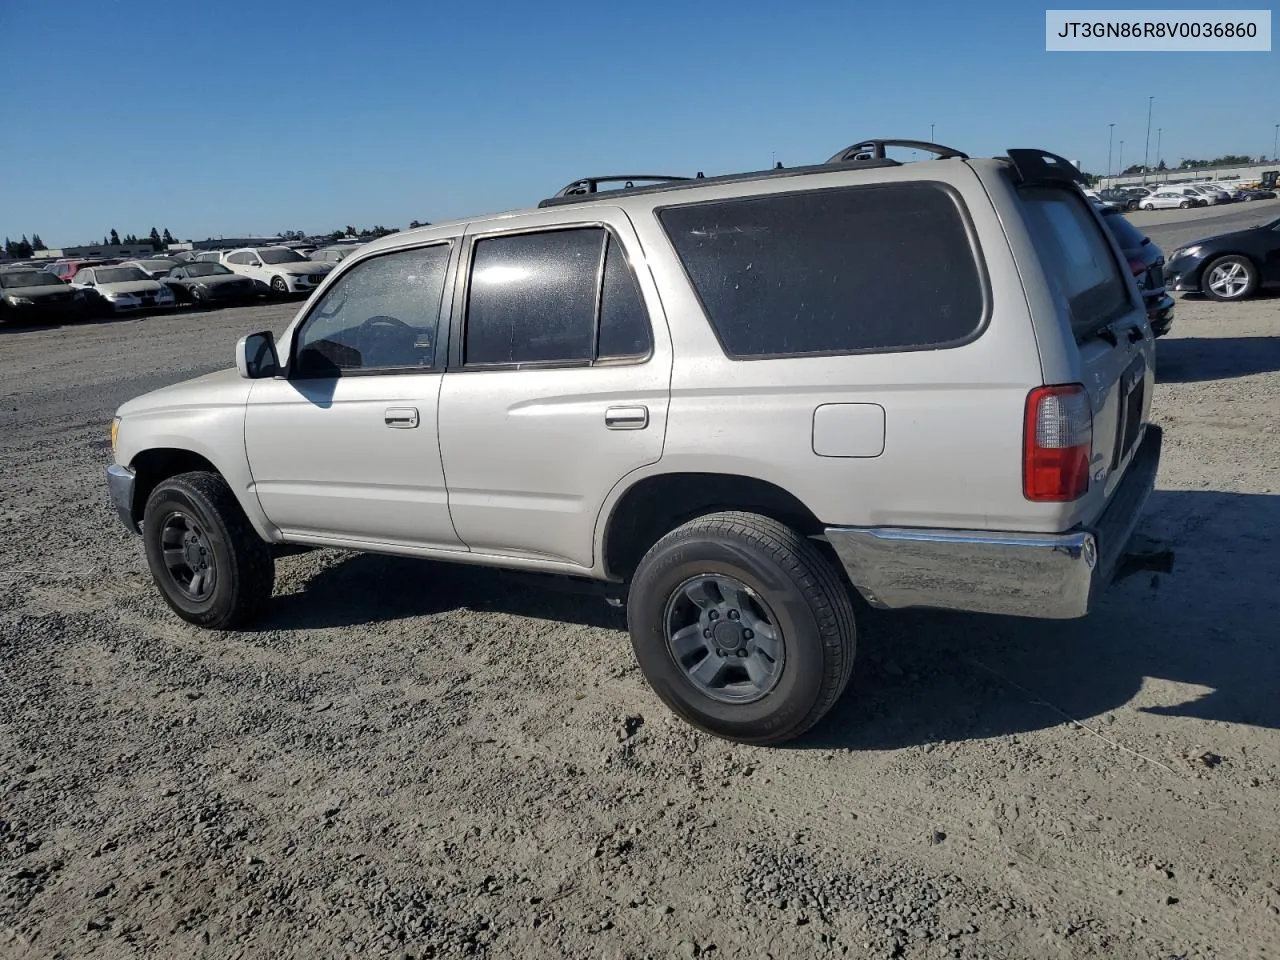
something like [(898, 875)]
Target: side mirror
[(256, 356)]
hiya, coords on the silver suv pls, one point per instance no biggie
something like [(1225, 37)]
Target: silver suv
[(734, 402)]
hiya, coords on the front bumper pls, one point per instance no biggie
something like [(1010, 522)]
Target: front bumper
[(1050, 576), (1183, 274), (120, 481), (137, 304)]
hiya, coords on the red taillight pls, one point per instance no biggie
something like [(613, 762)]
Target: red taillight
[(1057, 443), (1137, 267)]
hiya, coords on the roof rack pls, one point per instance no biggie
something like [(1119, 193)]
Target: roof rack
[(874, 150), (592, 184), (1041, 166)]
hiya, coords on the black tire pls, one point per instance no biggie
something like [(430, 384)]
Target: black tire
[(1243, 274), (196, 298), (240, 562), (800, 590), (1184, 205), (279, 287)]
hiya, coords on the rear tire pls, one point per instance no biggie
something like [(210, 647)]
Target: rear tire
[(742, 627), (1229, 278), (209, 563)]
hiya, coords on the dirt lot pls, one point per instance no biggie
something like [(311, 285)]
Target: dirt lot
[(414, 760)]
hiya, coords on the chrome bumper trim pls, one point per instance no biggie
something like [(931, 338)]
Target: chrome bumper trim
[(1049, 576)]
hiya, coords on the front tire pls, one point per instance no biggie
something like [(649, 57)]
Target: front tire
[(1184, 205), (209, 563), (278, 287), (1229, 278), (742, 627)]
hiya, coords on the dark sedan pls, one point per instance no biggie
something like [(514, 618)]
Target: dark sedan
[(1124, 199), (1230, 266), (35, 296), (208, 284)]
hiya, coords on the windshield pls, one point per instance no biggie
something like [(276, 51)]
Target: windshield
[(281, 256), (28, 278), (206, 270), (120, 275)]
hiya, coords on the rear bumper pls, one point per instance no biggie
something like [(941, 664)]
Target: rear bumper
[(1050, 576), (120, 482), (1160, 314)]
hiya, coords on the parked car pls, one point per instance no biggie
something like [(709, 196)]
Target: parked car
[(123, 289), (66, 270), (1229, 266), (1212, 195), (278, 269), (1246, 195), (1146, 263), (209, 284), (336, 253), (728, 439), (36, 296), (1124, 199), (155, 267), (209, 256), (1167, 198)]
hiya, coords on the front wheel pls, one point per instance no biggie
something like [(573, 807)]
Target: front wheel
[(742, 627), (211, 566), (279, 287), (1229, 278), (1184, 204)]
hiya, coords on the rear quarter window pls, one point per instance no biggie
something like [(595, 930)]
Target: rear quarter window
[(879, 268), (1076, 257)]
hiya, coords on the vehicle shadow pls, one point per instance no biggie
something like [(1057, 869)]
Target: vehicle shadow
[(1198, 359), (365, 588), (930, 676), (926, 677)]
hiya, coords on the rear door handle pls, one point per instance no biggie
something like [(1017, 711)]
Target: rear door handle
[(626, 418), (404, 418)]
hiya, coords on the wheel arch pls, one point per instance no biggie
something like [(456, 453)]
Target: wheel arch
[(655, 504), (154, 465)]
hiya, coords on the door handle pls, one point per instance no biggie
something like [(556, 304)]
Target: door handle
[(405, 418), (626, 418)]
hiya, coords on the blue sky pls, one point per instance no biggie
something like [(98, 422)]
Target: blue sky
[(253, 116)]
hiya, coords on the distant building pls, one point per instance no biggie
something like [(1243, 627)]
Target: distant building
[(98, 250), (1244, 173)]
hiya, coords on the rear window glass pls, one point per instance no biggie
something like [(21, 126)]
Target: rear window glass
[(1076, 257), (846, 270)]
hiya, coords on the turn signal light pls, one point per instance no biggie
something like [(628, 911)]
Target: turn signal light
[(1057, 444)]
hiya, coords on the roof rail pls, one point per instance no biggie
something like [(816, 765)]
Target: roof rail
[(874, 150), (1041, 166), (592, 184)]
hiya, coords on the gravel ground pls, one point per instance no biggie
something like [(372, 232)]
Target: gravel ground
[(413, 760)]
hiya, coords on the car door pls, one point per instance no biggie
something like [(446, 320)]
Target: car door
[(343, 446), (558, 386)]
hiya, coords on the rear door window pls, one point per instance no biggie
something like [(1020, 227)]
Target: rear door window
[(1077, 257), (888, 267)]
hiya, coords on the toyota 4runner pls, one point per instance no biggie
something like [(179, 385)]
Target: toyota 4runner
[(733, 401)]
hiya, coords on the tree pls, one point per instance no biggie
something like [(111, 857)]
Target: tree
[(1232, 160), (8, 248), (1131, 170), (154, 237), (415, 224), (168, 237), (115, 237), (1161, 167), (37, 243)]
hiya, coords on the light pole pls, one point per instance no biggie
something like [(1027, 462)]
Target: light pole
[(931, 133), (1146, 150), (1159, 137), (1274, 141), (1111, 135), (1120, 161)]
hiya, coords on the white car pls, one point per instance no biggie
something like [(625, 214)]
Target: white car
[(1167, 198), (1211, 193), (282, 270), (123, 289)]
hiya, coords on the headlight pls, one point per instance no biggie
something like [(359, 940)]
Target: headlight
[(115, 294), (20, 301), (115, 430), (1187, 252)]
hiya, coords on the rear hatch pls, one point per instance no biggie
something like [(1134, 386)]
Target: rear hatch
[(1099, 308)]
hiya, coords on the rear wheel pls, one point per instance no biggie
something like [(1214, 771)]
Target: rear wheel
[(1229, 278), (742, 627), (210, 564)]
